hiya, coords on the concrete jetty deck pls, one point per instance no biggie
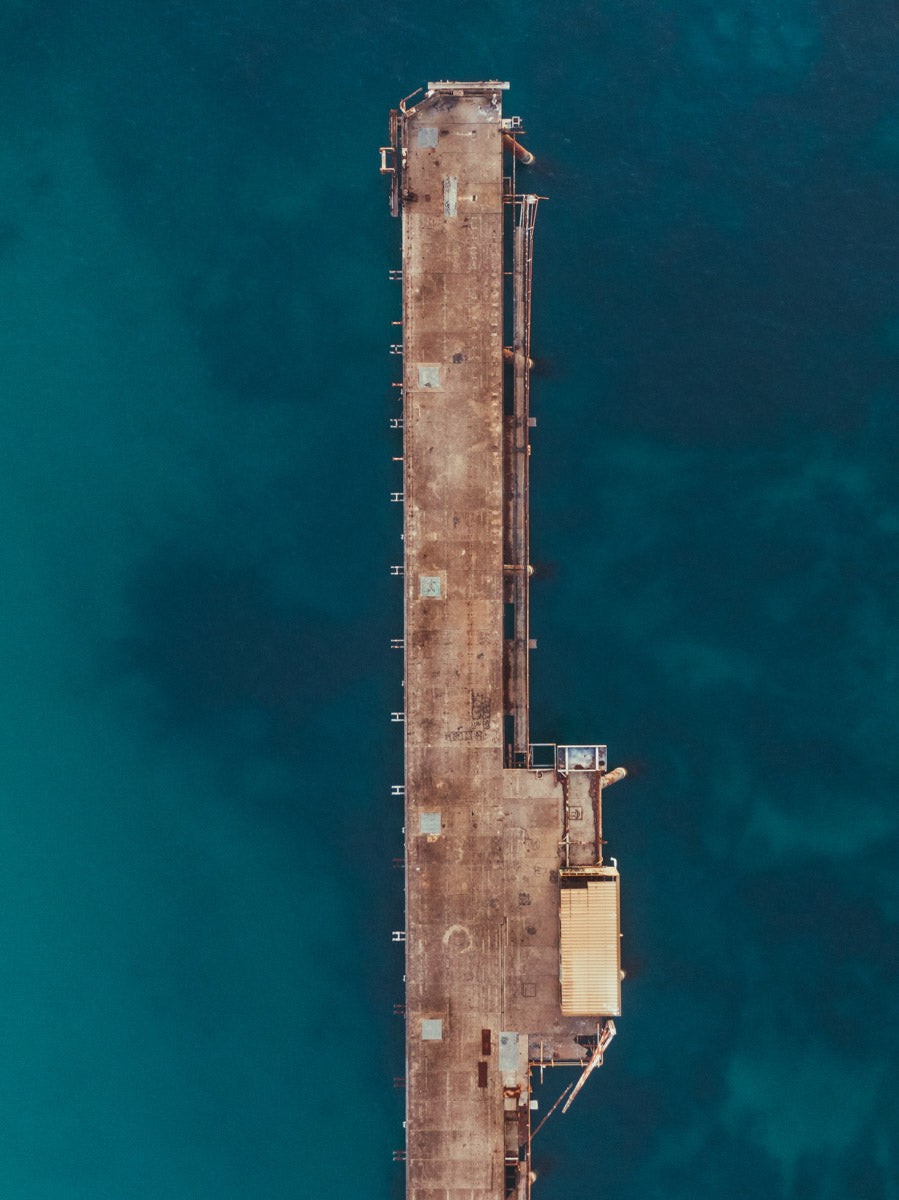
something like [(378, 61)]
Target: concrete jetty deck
[(491, 824)]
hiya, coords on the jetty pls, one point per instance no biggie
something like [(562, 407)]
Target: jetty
[(512, 931)]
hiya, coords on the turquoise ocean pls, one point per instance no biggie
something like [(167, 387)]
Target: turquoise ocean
[(197, 834)]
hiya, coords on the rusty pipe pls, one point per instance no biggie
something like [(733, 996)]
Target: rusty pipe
[(509, 356), (523, 156), (612, 777)]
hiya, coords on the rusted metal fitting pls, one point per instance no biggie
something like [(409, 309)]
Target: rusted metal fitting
[(612, 777), (523, 156)]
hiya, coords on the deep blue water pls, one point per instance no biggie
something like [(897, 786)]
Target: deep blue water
[(196, 974)]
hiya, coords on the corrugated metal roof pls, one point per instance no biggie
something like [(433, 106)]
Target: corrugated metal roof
[(590, 946)]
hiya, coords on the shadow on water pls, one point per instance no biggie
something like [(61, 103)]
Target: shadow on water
[(536, 177), (544, 367)]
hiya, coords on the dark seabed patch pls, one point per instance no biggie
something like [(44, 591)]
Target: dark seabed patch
[(212, 640)]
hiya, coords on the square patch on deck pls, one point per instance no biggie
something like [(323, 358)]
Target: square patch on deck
[(427, 136), (508, 1052), (432, 1029), (429, 585), (450, 196), (429, 376), (429, 823)]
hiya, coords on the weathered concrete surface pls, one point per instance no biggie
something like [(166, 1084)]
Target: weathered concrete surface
[(482, 843), (452, 320)]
